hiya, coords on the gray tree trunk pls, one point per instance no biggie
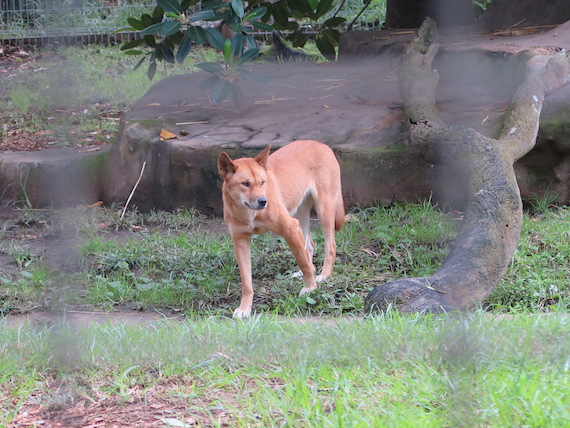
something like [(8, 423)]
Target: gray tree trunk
[(493, 218)]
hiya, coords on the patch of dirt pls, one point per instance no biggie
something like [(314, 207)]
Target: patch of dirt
[(14, 59), (77, 318), (34, 232), (162, 404)]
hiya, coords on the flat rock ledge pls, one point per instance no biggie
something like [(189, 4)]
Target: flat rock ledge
[(353, 105)]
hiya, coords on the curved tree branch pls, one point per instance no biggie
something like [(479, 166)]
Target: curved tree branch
[(491, 227)]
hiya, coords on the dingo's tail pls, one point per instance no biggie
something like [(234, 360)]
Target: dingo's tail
[(339, 216)]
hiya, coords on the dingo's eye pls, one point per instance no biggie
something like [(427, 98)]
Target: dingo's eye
[(246, 184), (262, 182)]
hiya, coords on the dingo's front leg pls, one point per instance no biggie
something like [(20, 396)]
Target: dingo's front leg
[(242, 251)]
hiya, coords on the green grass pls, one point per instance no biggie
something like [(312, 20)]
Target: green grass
[(505, 369), (185, 262), (392, 370), (539, 275)]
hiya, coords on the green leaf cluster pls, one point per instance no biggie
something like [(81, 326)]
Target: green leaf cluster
[(174, 27)]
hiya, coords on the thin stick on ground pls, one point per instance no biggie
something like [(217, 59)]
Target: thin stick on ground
[(133, 191)]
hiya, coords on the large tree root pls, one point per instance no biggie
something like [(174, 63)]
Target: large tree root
[(493, 218)]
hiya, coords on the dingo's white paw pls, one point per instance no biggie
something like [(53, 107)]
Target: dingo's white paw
[(298, 274), (306, 290), (242, 313), (321, 278)]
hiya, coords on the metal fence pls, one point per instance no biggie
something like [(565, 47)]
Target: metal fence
[(91, 21), (67, 20)]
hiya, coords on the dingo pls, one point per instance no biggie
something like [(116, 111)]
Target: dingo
[(276, 193)]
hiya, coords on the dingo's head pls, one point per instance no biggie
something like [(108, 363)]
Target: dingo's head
[(245, 179)]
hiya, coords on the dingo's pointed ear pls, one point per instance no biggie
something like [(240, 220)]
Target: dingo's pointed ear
[(226, 166), (262, 157)]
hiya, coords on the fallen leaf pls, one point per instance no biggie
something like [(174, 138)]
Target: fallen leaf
[(175, 422), (167, 135)]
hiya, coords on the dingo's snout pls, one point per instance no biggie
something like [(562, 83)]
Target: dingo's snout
[(257, 204)]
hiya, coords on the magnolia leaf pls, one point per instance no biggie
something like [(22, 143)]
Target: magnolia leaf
[(222, 91), (157, 14), (215, 38), (152, 29), (280, 13), (324, 7), (237, 6), (258, 12), (132, 44), (210, 67), (151, 70), (139, 63), (150, 40), (262, 26), (203, 15), (169, 28), (236, 93), (301, 6), (146, 20), (298, 38), (249, 55), (187, 3), (197, 35), (333, 35), (184, 48), (325, 47), (250, 40), (334, 22), (174, 39), (237, 44), (135, 23), (169, 6), (167, 53)]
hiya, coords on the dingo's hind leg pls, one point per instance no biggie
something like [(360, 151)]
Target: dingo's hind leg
[(303, 214), (326, 213)]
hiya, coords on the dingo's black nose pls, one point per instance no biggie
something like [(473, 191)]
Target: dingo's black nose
[(262, 202)]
